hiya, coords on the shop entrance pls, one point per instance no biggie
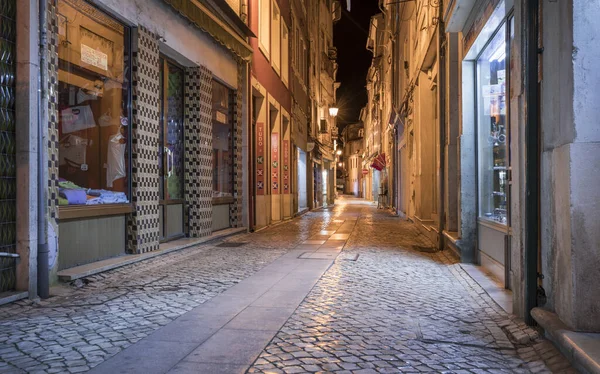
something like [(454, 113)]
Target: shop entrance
[(171, 151)]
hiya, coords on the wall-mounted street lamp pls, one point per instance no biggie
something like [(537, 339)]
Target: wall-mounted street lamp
[(339, 152), (333, 111)]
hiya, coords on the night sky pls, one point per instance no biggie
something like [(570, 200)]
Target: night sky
[(350, 38)]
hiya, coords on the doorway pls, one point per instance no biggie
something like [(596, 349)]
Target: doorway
[(170, 151)]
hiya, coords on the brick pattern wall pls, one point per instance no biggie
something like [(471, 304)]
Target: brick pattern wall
[(143, 229), (198, 151)]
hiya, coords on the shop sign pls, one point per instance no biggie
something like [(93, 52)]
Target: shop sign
[(286, 166), (275, 163), (260, 158), (93, 57)]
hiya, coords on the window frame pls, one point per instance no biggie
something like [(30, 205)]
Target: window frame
[(275, 27), (285, 52), (70, 212), (264, 41), (231, 123)]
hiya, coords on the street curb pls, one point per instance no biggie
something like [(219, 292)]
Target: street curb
[(582, 349), (83, 271)]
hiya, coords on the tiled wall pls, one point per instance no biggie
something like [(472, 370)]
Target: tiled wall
[(235, 209), (52, 35), (198, 151), (143, 226)]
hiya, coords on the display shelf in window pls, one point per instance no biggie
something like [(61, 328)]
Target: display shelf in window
[(492, 130)]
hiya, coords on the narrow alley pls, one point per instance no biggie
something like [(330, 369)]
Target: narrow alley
[(348, 288)]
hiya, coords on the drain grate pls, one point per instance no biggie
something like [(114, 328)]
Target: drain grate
[(231, 244)]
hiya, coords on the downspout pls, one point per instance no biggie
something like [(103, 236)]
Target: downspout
[(42, 250), (531, 161), (442, 125), (251, 151)]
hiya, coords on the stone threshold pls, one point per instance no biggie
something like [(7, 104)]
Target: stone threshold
[(451, 239), (12, 296), (83, 271), (581, 349)]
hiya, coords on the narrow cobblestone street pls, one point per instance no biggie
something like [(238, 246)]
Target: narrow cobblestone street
[(382, 306)]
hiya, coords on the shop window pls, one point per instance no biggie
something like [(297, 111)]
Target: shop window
[(93, 51), (264, 26), (492, 129), (222, 140), (285, 54), (171, 131), (276, 38)]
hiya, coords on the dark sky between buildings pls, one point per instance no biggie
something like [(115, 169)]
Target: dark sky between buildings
[(350, 38)]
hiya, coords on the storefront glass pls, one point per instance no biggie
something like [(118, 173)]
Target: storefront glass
[(171, 135), (93, 104), (222, 141), (492, 129)]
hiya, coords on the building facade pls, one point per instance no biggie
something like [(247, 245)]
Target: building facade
[(270, 21), (140, 122), (351, 159), (496, 153)]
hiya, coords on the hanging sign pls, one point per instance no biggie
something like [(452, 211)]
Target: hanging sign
[(275, 164), (365, 171), (286, 166), (260, 158)]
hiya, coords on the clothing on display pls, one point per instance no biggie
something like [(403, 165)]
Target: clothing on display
[(73, 148), (72, 194), (106, 197), (82, 96), (77, 118), (105, 120), (115, 159)]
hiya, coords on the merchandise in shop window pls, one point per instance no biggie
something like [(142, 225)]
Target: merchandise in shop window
[(222, 141), (93, 106), (492, 129)]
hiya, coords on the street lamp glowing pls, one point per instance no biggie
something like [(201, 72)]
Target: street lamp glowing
[(333, 112), (339, 152)]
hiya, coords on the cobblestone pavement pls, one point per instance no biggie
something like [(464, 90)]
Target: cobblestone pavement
[(384, 307), (84, 326)]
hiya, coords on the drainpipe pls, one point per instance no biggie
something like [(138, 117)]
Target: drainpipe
[(442, 126), (251, 150), (532, 156), (42, 250)]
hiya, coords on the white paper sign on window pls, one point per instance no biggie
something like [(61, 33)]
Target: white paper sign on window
[(93, 57)]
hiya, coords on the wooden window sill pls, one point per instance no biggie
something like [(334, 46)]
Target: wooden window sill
[(223, 200), (91, 211)]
